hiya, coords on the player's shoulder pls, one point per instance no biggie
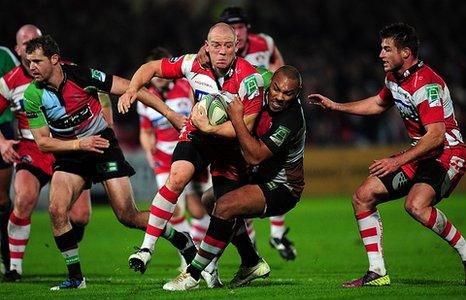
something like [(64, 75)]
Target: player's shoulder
[(260, 42), (33, 92), (14, 76), (244, 67), (426, 75)]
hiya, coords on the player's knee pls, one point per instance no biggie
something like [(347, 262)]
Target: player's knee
[(25, 203), (361, 197), (81, 218), (58, 213), (414, 208), (127, 218)]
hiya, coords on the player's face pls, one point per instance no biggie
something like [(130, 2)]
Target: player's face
[(21, 41), (241, 31), (41, 66), (391, 56), (221, 46), (282, 92)]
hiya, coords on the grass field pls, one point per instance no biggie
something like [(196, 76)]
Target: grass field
[(420, 264)]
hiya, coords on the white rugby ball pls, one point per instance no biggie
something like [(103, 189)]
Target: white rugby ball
[(216, 108)]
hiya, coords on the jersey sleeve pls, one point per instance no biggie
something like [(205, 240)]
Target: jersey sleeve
[(282, 131), (33, 105), (429, 101), (177, 67), (385, 93), (92, 80)]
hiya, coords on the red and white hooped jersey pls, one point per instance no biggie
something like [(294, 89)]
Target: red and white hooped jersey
[(12, 87), (259, 49), (423, 98), (242, 80), (166, 136)]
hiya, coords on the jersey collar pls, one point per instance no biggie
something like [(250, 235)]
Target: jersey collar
[(409, 71)]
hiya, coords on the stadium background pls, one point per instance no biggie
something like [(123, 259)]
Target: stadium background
[(333, 43)]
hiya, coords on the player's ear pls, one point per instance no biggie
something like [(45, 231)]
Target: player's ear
[(55, 59), (206, 46), (405, 52)]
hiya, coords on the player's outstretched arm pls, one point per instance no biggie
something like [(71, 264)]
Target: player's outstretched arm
[(370, 106), (142, 76), (46, 143)]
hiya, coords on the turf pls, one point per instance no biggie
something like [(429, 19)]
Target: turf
[(329, 251)]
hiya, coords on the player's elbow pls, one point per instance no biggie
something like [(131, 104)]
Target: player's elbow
[(42, 145), (253, 159)]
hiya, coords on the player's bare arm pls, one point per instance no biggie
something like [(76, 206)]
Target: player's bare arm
[(142, 76), (46, 143), (370, 106), (203, 58), (254, 151), (147, 140), (121, 86), (433, 138)]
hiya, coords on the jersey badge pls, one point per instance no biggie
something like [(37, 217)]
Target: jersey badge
[(433, 95), (252, 88), (280, 135), (98, 75)]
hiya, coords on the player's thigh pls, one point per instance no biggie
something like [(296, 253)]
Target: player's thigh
[(246, 201), (5, 181)]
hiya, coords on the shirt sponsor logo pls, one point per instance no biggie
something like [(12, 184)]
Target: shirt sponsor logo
[(111, 166), (31, 115), (433, 95), (98, 75), (399, 181), (280, 135), (252, 88), (271, 185)]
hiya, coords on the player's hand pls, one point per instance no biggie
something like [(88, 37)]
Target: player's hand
[(203, 58), (322, 101), (235, 109), (176, 119), (383, 167), (125, 100), (8, 152), (93, 143), (199, 118)]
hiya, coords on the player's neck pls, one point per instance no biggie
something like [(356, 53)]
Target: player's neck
[(406, 67), (57, 77)]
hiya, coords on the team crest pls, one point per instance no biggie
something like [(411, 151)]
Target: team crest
[(98, 75), (433, 95), (279, 136)]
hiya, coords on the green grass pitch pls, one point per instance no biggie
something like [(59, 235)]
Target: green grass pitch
[(420, 264)]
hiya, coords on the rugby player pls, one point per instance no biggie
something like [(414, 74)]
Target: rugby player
[(427, 171), (275, 153)]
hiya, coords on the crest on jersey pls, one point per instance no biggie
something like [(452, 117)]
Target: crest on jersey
[(433, 95), (98, 75), (252, 88), (280, 135)]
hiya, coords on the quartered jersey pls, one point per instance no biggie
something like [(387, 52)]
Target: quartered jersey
[(284, 133), (166, 136), (72, 111), (242, 80)]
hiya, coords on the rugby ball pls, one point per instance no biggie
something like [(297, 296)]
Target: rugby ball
[(216, 108)]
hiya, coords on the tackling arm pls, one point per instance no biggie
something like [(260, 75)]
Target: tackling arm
[(370, 106)]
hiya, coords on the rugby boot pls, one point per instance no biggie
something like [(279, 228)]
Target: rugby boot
[(284, 246), (182, 282), (12, 276), (247, 274), (139, 260), (211, 276), (70, 283), (369, 279)]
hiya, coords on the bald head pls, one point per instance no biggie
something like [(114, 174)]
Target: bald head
[(25, 33), (221, 29), (289, 72)]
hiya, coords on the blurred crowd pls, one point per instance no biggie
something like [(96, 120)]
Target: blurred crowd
[(333, 43)]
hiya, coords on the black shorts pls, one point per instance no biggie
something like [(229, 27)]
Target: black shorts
[(95, 167), (222, 185), (428, 171), (279, 199), (43, 177), (7, 131), (190, 152)]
